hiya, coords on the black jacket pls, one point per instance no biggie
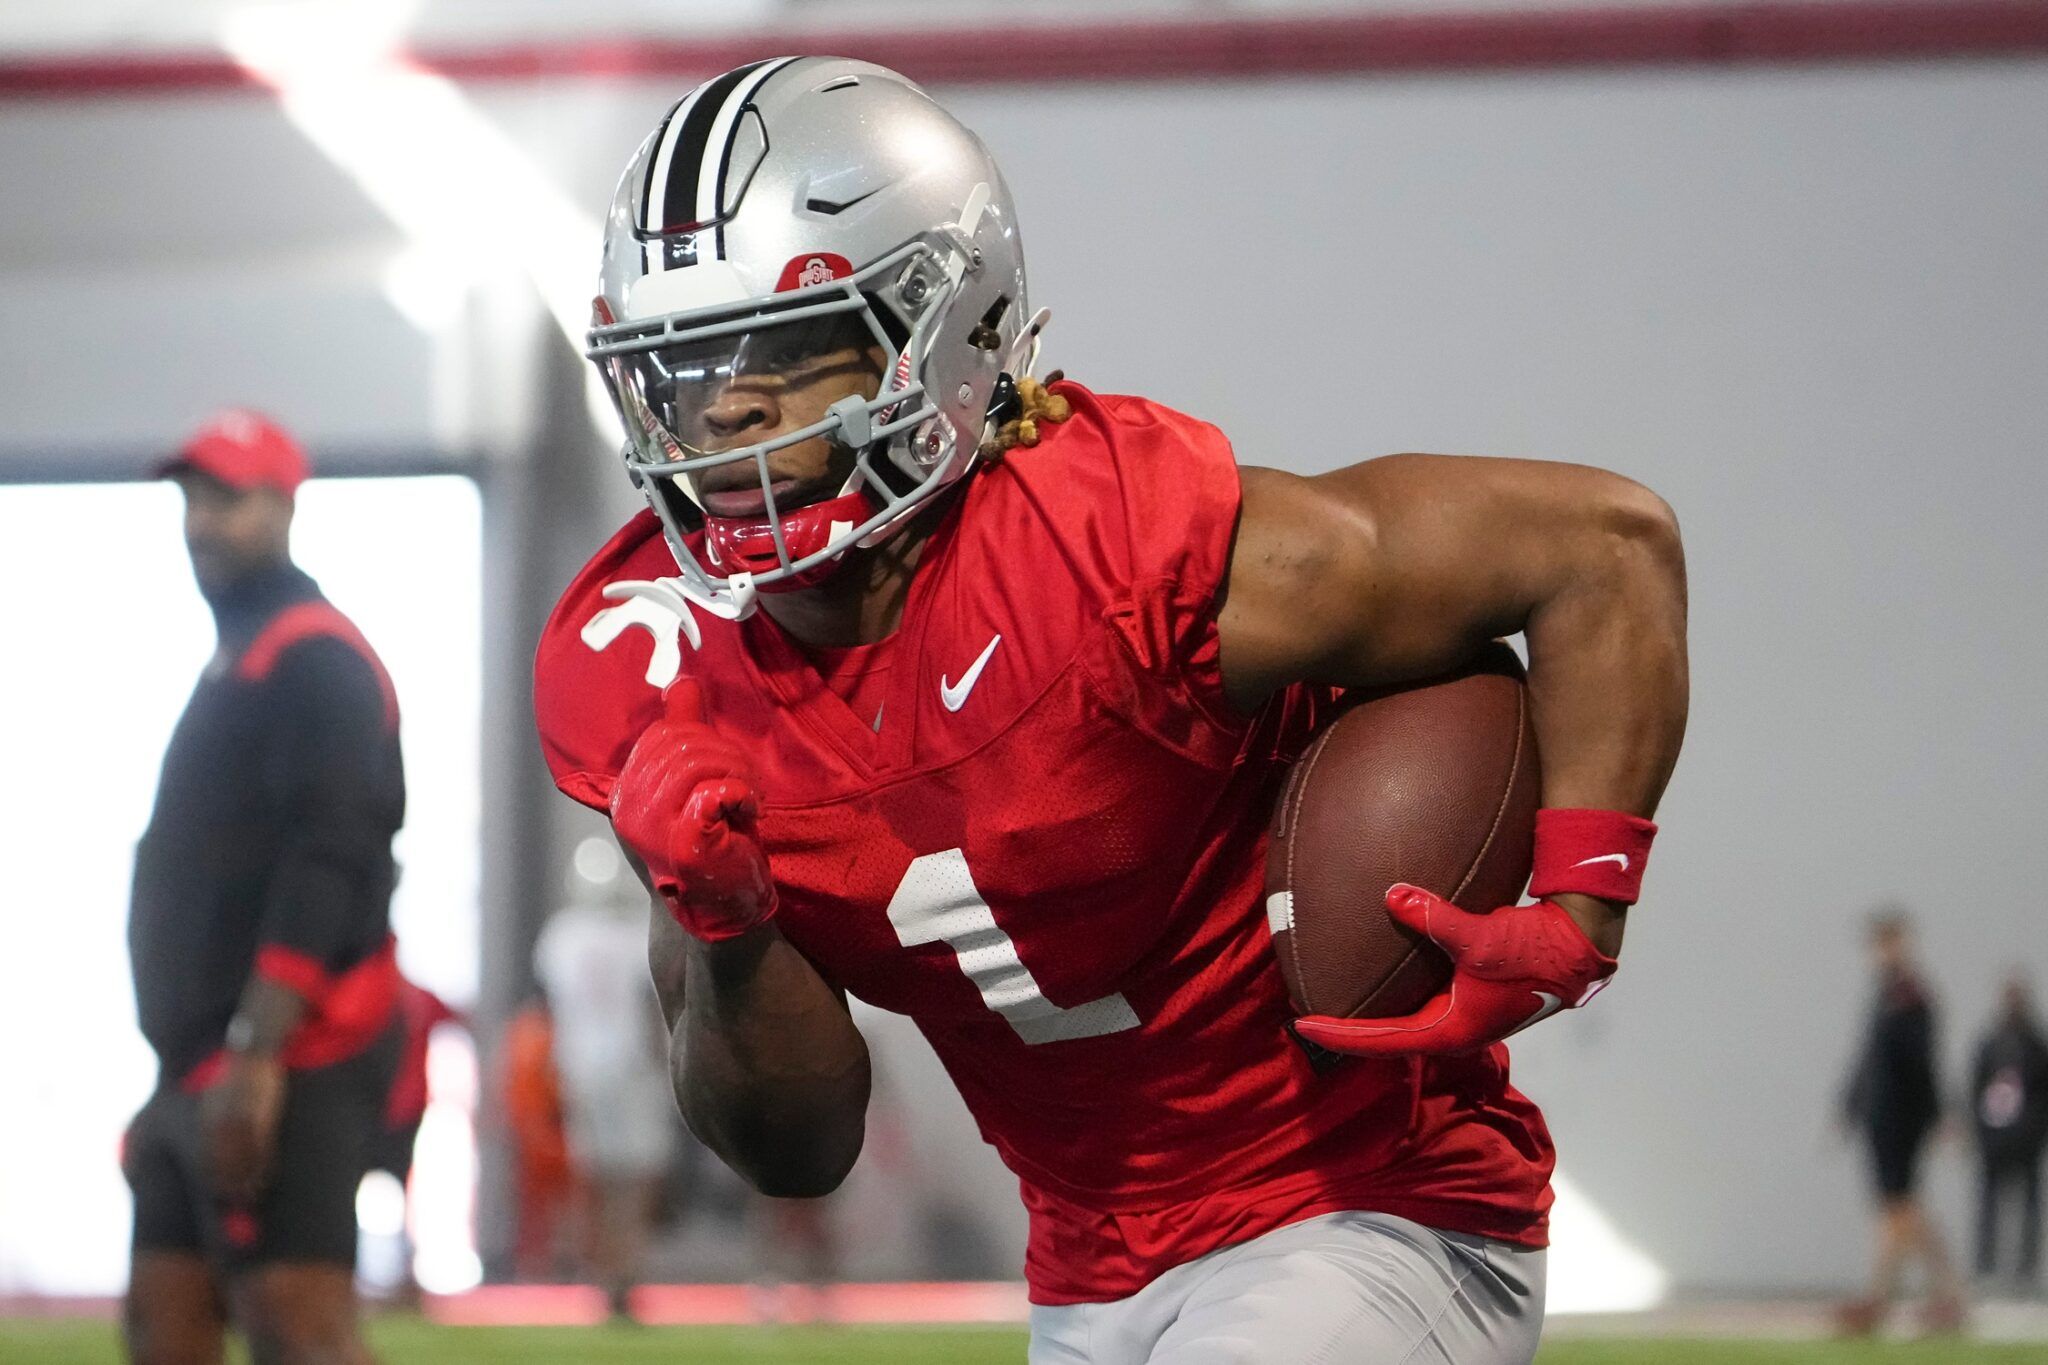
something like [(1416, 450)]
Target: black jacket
[(1893, 1087), (269, 847), (2009, 1091)]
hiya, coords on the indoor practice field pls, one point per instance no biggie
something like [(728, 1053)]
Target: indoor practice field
[(403, 1341), (936, 683)]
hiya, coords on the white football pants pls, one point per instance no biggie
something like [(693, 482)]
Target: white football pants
[(1342, 1289)]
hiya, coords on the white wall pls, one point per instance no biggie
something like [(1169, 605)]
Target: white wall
[(1809, 306)]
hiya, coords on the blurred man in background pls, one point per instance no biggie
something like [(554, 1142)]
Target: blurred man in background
[(2009, 1100), (1893, 1102), (610, 1055), (531, 1101), (796, 1259), (259, 936)]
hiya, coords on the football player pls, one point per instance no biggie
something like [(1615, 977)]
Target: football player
[(922, 681)]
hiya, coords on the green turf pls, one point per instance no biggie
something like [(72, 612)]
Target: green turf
[(405, 1342), (401, 1341)]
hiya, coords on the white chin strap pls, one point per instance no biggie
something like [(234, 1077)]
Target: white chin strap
[(1023, 357)]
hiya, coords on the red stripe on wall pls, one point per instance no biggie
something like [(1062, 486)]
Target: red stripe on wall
[(1037, 54)]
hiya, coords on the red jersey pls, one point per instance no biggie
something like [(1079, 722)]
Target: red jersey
[(1050, 852)]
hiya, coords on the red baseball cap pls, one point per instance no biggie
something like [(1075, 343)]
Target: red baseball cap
[(244, 450)]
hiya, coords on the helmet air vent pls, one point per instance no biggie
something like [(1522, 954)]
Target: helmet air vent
[(749, 148)]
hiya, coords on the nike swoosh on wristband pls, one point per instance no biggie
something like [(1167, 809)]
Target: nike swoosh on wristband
[(954, 696), (1550, 1004), (1620, 859)]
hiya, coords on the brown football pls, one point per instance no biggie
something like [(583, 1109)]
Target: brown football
[(1434, 783)]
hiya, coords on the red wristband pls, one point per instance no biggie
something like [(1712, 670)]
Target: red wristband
[(1591, 853)]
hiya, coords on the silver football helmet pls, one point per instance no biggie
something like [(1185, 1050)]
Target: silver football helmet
[(777, 205)]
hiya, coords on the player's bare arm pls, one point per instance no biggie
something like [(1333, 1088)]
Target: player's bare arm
[(768, 1068), (1398, 568)]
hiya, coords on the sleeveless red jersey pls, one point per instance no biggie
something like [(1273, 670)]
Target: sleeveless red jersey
[(1050, 855)]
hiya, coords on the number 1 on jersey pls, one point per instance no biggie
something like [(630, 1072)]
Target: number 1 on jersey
[(937, 902)]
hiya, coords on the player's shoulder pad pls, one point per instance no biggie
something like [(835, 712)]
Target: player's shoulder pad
[(1151, 493), (597, 681)]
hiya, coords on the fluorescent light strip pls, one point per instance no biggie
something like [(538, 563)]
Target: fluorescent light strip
[(424, 155)]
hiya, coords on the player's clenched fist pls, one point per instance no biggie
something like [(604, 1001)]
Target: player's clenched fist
[(1508, 969), (685, 804)]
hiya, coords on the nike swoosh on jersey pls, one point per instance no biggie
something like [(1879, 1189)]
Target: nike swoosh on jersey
[(955, 695), (1621, 859)]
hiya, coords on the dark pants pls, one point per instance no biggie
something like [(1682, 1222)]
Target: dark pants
[(1895, 1149), (307, 1211), (2004, 1178)]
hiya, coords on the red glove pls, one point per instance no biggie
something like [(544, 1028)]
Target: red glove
[(685, 804), (1508, 969)]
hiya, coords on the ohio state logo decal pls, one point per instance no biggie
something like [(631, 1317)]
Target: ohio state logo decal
[(818, 267)]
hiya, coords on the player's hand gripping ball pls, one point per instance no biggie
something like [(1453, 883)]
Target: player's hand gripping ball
[(685, 805), (1509, 968)]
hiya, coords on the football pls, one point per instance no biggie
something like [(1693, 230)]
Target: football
[(1432, 783)]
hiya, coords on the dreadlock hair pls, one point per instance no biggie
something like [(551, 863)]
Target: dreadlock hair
[(1036, 404)]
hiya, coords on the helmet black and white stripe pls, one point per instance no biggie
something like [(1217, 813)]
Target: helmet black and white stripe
[(685, 191)]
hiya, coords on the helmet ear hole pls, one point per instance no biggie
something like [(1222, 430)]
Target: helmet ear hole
[(985, 337)]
